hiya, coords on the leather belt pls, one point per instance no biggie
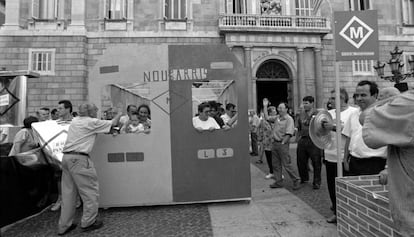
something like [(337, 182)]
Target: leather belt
[(76, 153)]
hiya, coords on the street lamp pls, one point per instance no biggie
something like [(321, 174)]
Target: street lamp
[(396, 66)]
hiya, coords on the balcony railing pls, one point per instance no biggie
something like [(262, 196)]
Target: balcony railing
[(252, 22)]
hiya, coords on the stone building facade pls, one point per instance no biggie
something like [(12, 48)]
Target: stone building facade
[(285, 45)]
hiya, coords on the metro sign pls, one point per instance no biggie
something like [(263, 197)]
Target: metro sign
[(356, 36), (356, 32)]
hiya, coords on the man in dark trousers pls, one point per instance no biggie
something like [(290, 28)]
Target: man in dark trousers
[(306, 149)]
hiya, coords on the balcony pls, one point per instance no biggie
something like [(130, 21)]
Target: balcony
[(269, 23)]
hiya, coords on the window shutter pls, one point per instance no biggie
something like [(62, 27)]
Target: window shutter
[(183, 12), (35, 9), (167, 11), (229, 6), (107, 9)]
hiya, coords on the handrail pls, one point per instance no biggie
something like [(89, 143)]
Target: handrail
[(272, 21)]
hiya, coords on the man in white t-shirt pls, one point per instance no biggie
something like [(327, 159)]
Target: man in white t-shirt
[(358, 157), (203, 121), (331, 158)]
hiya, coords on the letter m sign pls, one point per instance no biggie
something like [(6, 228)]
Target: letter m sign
[(356, 35)]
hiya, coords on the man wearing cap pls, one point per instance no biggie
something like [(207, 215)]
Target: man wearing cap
[(79, 174)]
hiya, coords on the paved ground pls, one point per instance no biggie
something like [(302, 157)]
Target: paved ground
[(271, 212), (317, 199)]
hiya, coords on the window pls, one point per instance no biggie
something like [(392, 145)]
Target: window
[(236, 6), (116, 9), (136, 99), (175, 9), (214, 104), (359, 5), (362, 67), (48, 9), (405, 57), (303, 7), (42, 61), (408, 12)]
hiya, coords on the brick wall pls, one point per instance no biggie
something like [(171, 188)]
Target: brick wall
[(362, 207)]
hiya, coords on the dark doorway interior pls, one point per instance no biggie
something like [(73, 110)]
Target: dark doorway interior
[(275, 91)]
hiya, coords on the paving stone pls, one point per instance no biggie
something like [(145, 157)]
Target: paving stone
[(177, 220)]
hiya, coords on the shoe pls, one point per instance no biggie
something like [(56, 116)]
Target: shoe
[(269, 176), (259, 162), (331, 219), (96, 225), (275, 185), (72, 227), (296, 185), (316, 186), (55, 206), (304, 181)]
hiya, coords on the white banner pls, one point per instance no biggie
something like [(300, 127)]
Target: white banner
[(52, 136)]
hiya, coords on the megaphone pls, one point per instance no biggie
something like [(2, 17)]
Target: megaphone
[(320, 128)]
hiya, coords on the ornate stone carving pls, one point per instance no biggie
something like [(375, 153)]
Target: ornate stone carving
[(271, 7)]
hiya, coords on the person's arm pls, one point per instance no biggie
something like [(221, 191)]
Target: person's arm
[(3, 134), (391, 123), (115, 120), (232, 120), (124, 128), (346, 153), (271, 119)]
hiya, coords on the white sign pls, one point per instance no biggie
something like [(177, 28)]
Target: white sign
[(206, 154), (224, 152), (356, 32), (52, 135), (4, 100)]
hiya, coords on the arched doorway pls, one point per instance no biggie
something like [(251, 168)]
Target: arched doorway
[(273, 81)]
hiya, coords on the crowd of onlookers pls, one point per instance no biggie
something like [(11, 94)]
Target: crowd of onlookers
[(272, 130)]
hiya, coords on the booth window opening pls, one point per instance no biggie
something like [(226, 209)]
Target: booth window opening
[(214, 105), (134, 98)]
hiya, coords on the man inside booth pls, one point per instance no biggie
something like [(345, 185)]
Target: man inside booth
[(203, 121)]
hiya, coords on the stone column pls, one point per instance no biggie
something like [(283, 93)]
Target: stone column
[(250, 83), (318, 77), (12, 17), (301, 75), (77, 16)]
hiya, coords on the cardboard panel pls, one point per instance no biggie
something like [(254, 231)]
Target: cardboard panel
[(143, 178), (208, 165)]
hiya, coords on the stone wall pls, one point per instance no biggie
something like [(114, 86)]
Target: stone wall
[(68, 82), (75, 55), (363, 207), (349, 81)]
